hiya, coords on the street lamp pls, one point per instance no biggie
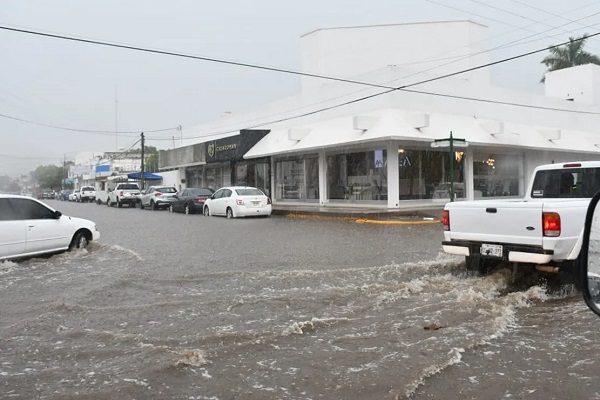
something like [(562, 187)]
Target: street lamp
[(451, 143)]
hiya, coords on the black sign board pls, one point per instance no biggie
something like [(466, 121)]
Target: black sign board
[(233, 148)]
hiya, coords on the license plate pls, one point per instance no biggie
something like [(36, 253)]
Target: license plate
[(494, 250), (256, 203)]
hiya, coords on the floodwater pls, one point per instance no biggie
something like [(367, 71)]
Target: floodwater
[(129, 318)]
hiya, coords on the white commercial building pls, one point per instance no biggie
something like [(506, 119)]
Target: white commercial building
[(376, 152)]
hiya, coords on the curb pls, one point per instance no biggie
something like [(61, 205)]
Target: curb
[(392, 222), (364, 221)]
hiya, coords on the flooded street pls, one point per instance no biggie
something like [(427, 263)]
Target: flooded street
[(189, 307)]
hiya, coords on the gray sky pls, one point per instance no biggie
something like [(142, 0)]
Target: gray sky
[(74, 84)]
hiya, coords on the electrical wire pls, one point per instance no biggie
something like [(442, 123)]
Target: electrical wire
[(93, 131), (405, 87)]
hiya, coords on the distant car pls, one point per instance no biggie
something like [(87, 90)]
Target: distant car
[(157, 197), (64, 195), (190, 200), (73, 195), (86, 193), (47, 195), (238, 201), (29, 227)]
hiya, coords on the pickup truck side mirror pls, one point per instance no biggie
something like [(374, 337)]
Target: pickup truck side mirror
[(590, 256)]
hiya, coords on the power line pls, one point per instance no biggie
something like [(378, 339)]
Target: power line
[(176, 54), (93, 131), (389, 88), (404, 88)]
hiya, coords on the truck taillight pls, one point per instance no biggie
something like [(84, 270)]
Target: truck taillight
[(446, 220), (551, 224)]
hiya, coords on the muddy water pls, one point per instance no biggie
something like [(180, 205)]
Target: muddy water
[(94, 324)]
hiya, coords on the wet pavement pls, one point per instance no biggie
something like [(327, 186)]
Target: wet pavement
[(190, 307)]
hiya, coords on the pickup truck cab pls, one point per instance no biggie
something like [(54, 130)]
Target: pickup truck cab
[(544, 229), (124, 193)]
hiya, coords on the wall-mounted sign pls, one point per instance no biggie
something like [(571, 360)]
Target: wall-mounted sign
[(233, 148)]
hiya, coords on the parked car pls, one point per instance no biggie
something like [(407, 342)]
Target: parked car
[(238, 201), (190, 200), (124, 193), (64, 195), (73, 195), (29, 227), (48, 195), (86, 193), (157, 197)]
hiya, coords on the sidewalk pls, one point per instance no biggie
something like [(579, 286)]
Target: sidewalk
[(378, 216)]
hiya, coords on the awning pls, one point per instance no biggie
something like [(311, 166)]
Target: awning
[(148, 176)]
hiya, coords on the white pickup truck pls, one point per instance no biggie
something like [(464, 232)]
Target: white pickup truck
[(544, 229)]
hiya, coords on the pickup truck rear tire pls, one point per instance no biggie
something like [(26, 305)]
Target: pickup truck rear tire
[(479, 264), (569, 273)]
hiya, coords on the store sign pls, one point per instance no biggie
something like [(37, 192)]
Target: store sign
[(404, 161), (233, 148)]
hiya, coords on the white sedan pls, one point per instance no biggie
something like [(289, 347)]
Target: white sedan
[(29, 227), (238, 201)]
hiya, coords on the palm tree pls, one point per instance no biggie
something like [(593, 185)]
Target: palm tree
[(569, 55)]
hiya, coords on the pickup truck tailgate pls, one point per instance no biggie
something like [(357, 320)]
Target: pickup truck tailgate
[(497, 221)]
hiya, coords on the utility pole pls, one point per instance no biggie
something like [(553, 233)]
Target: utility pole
[(116, 118), (142, 168)]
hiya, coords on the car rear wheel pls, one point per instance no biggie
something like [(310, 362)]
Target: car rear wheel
[(153, 206), (229, 213), (141, 205), (119, 204), (188, 209), (171, 208)]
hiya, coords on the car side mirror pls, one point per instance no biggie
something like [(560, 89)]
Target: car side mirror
[(589, 257), (56, 214)]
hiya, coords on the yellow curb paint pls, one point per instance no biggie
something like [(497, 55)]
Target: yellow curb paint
[(361, 220), (388, 222)]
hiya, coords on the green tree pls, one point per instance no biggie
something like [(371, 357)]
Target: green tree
[(49, 176), (569, 55)]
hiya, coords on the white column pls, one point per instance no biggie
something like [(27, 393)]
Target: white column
[(323, 178), (272, 173), (470, 187), (393, 177)]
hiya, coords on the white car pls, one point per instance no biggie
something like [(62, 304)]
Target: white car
[(29, 227), (157, 197), (73, 195), (238, 201)]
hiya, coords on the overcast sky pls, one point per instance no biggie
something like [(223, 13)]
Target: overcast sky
[(75, 85)]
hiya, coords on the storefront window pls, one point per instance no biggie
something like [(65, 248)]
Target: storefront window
[(194, 177), (357, 176), (496, 175), (425, 174), (255, 174), (297, 179)]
